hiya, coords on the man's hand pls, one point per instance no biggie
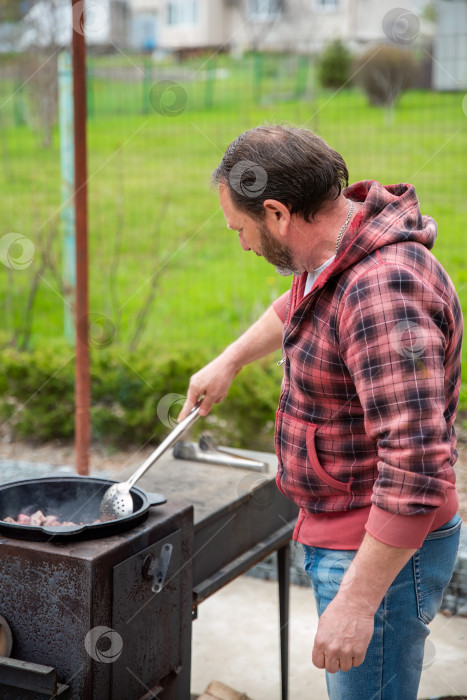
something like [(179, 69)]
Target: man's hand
[(346, 626), (211, 382), (343, 636)]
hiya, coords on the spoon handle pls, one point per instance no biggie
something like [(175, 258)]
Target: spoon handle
[(176, 433)]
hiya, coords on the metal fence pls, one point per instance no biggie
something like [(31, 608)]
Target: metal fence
[(163, 267)]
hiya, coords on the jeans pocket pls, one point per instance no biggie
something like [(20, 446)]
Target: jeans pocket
[(433, 566), (449, 528)]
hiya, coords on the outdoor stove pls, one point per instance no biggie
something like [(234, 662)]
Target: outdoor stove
[(111, 616)]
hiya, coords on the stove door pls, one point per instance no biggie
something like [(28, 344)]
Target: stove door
[(150, 624)]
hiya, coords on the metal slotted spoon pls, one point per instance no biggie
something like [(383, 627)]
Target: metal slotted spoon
[(117, 501)]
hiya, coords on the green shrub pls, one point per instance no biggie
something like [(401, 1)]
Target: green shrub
[(385, 72), (334, 65), (248, 412), (37, 393), (37, 397)]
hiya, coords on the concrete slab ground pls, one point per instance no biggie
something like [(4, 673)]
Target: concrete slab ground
[(236, 641)]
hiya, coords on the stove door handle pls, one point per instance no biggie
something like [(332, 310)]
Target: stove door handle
[(157, 567)]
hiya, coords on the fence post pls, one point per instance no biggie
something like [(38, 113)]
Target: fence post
[(209, 88), (258, 66), (147, 84), (302, 75), (18, 106), (67, 213)]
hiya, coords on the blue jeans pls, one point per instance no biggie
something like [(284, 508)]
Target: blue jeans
[(395, 657)]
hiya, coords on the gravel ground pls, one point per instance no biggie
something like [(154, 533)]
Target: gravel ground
[(20, 460)]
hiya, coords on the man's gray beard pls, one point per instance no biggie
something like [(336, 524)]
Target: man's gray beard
[(284, 271), (274, 253)]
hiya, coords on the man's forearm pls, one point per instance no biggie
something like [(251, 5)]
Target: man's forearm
[(211, 383), (372, 571), (262, 338)]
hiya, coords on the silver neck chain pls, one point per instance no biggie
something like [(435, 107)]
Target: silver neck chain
[(346, 223)]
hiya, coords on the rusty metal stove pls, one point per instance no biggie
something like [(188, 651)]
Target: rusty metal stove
[(56, 597), (110, 617)]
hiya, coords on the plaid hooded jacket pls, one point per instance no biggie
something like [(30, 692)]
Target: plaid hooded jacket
[(364, 427)]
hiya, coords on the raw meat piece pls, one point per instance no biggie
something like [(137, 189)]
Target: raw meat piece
[(37, 518), (23, 519)]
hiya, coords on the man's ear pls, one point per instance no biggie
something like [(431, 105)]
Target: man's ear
[(277, 216)]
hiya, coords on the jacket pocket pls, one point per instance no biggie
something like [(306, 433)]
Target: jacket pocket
[(300, 475), (317, 468)]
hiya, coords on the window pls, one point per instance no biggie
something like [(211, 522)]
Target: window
[(265, 9), (182, 12), (327, 5)]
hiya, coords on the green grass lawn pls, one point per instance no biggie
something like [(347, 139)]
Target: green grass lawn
[(155, 227)]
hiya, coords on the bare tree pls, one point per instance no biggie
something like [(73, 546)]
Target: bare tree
[(47, 261), (38, 70), (40, 40)]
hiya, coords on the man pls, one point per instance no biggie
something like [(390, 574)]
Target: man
[(371, 338)]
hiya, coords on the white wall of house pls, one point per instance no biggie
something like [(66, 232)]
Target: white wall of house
[(246, 23), (191, 23), (304, 25), (301, 25), (450, 46), (145, 6)]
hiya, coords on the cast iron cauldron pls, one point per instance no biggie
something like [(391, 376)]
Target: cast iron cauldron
[(72, 498)]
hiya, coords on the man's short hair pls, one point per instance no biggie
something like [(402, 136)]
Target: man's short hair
[(291, 165)]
